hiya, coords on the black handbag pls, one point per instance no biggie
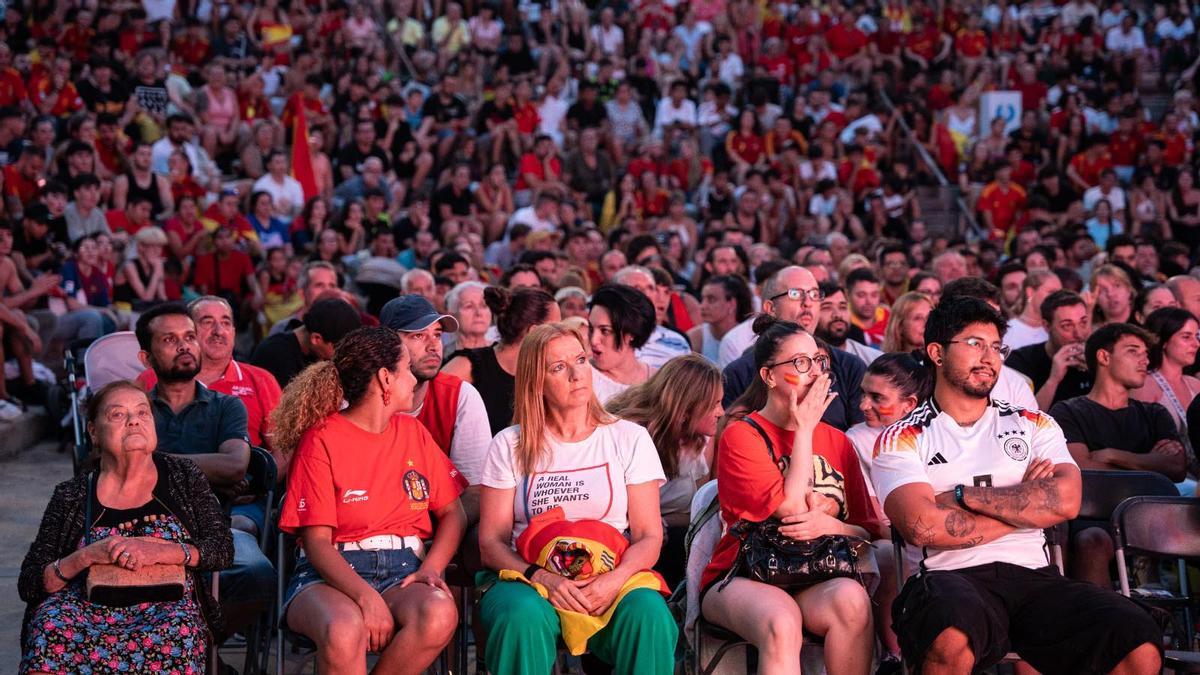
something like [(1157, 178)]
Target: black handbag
[(768, 556)]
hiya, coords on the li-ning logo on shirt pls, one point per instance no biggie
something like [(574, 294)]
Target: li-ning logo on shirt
[(352, 496)]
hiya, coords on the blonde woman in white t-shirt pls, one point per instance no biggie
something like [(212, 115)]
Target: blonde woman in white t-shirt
[(566, 451)]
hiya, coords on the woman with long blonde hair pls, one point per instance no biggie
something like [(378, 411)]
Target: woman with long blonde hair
[(680, 405), (1114, 294), (364, 486), (906, 329), (566, 452)]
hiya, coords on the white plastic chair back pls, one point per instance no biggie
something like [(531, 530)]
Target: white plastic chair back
[(111, 358), (701, 552)]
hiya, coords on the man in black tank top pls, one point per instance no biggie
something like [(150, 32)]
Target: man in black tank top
[(142, 182)]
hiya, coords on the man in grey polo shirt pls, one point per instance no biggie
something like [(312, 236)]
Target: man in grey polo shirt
[(210, 429)]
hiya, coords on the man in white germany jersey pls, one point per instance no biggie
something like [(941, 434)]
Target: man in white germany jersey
[(970, 483)]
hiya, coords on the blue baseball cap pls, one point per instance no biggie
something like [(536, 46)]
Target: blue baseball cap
[(411, 313)]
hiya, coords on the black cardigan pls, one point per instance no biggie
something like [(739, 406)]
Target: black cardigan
[(62, 527)]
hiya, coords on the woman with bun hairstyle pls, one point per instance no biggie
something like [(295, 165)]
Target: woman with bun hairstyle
[(895, 384), (364, 488), (825, 495), (680, 405), (492, 369)]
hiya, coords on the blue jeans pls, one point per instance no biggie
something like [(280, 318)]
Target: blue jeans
[(381, 569), (250, 583)]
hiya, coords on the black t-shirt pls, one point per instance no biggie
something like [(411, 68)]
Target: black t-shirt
[(280, 355), (587, 117), (1033, 362), (494, 112), (30, 247), (99, 101), (519, 63), (1136, 428), (352, 157), (443, 112), (1060, 201), (460, 204)]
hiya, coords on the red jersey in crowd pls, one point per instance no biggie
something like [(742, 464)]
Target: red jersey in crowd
[(364, 484)]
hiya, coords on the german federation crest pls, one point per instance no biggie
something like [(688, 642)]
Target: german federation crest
[(1017, 449)]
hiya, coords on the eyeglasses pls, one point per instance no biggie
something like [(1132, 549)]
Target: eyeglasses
[(803, 364), (813, 294), (980, 345)]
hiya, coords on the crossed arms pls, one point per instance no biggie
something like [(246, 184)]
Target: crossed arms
[(1048, 495)]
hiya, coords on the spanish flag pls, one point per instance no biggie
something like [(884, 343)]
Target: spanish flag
[(578, 550), (302, 163)]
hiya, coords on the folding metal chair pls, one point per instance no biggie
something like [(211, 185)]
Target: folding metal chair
[(1103, 491), (262, 476), (1166, 527)]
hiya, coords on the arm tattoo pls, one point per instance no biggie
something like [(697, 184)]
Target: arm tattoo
[(958, 524), (1021, 505)]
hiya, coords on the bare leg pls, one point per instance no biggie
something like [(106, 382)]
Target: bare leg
[(949, 655), (840, 611), (426, 617), (766, 616), (332, 620), (1142, 661)]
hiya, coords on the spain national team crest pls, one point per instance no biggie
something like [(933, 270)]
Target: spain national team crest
[(416, 486), (1017, 449)]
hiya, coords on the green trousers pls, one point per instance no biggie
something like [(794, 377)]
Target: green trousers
[(523, 633)]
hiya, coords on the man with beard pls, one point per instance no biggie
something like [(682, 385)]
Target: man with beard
[(208, 428), (792, 294), (970, 483), (1057, 366), (451, 409), (834, 327), (255, 387)]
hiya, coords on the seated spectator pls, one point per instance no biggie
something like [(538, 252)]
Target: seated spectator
[(272, 231), (906, 327), (318, 278), (1026, 327), (285, 354), (621, 320), (141, 282), (895, 384), (725, 301), (792, 294), (785, 403), (492, 370), (663, 343), (834, 324), (83, 215), (84, 277), (364, 580), (208, 428), (219, 372), (1150, 299), (1175, 347), (451, 409), (1114, 293), (981, 586), (866, 312), (1108, 430), (228, 273), (466, 304), (146, 508), (1057, 367), (561, 431), (680, 406)]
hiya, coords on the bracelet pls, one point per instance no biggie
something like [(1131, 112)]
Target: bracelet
[(958, 499), (531, 570), (187, 555), (58, 572)]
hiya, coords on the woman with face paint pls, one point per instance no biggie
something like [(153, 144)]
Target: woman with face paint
[(813, 484), (894, 385)]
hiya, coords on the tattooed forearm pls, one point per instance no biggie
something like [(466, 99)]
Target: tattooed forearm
[(957, 529), (1034, 504), (958, 523)]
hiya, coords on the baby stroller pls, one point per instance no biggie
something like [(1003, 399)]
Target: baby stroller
[(108, 359)]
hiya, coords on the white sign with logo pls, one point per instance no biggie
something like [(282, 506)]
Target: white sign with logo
[(1003, 104)]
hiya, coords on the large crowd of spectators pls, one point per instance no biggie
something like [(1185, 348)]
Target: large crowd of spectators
[(690, 194)]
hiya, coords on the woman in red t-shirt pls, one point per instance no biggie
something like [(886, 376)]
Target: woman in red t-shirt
[(363, 485), (745, 145), (788, 397)]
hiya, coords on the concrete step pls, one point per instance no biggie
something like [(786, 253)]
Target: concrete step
[(22, 433)]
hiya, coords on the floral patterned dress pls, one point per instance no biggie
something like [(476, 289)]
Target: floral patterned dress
[(69, 634)]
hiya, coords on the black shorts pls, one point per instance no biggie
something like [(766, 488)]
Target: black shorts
[(1058, 625)]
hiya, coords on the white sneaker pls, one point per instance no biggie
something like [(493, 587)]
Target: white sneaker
[(8, 411)]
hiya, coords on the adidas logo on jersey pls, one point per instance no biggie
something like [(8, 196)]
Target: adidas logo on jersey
[(936, 459)]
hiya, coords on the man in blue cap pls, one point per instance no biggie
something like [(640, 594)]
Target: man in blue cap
[(451, 409)]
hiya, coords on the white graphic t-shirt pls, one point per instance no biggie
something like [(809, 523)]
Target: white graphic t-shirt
[(587, 478), (929, 446)]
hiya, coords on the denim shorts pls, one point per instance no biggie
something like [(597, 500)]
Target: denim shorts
[(381, 569)]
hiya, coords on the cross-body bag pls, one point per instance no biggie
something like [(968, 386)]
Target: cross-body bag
[(771, 557), (115, 586)]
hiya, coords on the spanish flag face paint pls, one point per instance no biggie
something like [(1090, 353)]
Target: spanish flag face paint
[(791, 378)]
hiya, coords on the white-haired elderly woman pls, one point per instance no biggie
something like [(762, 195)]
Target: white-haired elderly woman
[(465, 303)]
